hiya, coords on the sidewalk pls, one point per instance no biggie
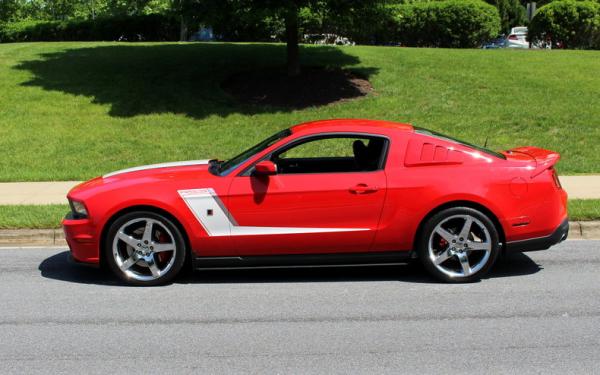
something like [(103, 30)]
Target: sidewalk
[(15, 193), (581, 187)]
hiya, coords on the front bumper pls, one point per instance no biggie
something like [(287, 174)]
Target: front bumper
[(540, 243), (75, 262), (81, 237)]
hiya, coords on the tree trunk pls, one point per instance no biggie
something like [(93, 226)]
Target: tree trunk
[(293, 49), (183, 30)]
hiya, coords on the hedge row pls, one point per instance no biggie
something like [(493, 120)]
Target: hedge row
[(153, 27), (568, 24), (449, 23), (445, 23)]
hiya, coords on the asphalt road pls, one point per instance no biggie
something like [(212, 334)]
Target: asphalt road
[(536, 313)]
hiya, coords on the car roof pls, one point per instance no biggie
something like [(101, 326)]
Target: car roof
[(350, 125)]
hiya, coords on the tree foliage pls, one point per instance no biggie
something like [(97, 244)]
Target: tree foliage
[(512, 13), (18, 10), (9, 10)]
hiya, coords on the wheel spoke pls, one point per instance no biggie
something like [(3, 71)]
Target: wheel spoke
[(466, 229), (147, 232), (154, 268), (445, 255), (160, 247), (444, 234), (485, 246), (464, 263), (128, 263), (127, 239)]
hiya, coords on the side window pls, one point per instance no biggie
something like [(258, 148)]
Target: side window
[(332, 154), (321, 148)]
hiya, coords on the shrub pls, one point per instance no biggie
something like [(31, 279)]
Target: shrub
[(449, 23), (570, 23), (152, 27)]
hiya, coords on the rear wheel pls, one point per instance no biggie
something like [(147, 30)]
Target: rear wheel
[(459, 245), (145, 248)]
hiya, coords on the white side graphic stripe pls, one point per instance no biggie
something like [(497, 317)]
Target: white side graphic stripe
[(155, 166), (221, 223)]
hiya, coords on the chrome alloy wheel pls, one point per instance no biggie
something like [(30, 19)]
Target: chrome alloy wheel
[(459, 246), (144, 249)]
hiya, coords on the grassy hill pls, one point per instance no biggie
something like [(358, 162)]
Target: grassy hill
[(77, 110)]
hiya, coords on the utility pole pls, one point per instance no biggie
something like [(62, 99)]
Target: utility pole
[(531, 8)]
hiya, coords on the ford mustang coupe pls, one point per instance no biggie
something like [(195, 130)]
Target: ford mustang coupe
[(335, 192)]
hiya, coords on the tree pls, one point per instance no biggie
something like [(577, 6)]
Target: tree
[(9, 10), (512, 13), (288, 10), (188, 11)]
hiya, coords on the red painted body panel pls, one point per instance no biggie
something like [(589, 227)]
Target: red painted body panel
[(295, 200), (421, 174)]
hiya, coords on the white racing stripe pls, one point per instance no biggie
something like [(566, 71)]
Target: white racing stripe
[(203, 202), (155, 166)]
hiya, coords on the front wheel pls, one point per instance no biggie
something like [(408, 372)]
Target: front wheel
[(458, 245), (145, 248)]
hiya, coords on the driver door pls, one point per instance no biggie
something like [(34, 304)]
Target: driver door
[(324, 198)]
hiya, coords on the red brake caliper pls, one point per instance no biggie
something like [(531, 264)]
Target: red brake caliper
[(162, 238), (443, 243)]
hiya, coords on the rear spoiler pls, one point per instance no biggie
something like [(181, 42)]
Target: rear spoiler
[(544, 159)]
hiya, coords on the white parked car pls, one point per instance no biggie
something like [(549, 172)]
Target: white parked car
[(517, 38)]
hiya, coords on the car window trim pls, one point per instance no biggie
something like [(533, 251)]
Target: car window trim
[(233, 169), (247, 172)]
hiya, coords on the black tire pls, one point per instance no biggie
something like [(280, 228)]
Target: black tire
[(163, 233), (445, 259)]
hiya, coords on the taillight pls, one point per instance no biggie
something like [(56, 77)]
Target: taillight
[(555, 178), (512, 37)]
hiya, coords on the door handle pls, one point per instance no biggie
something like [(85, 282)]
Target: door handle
[(363, 189)]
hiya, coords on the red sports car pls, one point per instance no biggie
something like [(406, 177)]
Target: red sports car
[(335, 192)]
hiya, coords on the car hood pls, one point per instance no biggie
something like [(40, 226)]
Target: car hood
[(146, 174)]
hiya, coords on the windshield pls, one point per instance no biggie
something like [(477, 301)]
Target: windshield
[(454, 140), (225, 167)]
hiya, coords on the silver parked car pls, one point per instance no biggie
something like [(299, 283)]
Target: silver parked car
[(517, 38)]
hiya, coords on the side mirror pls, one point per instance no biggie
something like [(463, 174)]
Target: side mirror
[(265, 168)]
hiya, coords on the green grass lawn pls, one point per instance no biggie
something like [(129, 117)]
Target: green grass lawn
[(34, 217), (584, 209), (71, 111), (50, 216)]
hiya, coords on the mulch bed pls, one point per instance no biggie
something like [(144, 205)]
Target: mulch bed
[(315, 86)]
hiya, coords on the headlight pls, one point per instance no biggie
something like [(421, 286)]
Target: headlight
[(79, 210)]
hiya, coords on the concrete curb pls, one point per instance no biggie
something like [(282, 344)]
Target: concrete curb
[(32, 237), (578, 230)]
